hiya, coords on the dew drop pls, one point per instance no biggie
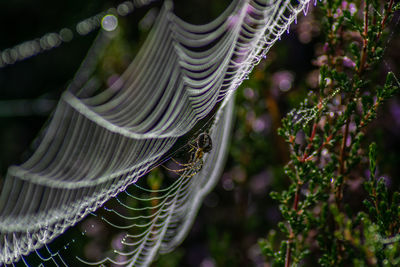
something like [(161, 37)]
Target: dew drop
[(109, 23)]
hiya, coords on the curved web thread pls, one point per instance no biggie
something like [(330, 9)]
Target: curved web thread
[(159, 220), (94, 147)]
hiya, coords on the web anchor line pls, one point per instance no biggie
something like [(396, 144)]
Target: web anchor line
[(52, 40)]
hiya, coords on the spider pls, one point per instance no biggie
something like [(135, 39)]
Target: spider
[(203, 144)]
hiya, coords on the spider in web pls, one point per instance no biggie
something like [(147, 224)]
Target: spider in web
[(203, 144)]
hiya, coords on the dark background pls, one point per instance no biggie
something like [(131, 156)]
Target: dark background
[(239, 211)]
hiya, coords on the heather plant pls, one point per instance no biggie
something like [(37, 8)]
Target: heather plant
[(328, 140)]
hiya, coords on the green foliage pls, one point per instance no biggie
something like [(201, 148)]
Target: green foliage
[(326, 138), (220, 248), (170, 259)]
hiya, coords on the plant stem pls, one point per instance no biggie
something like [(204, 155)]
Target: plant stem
[(365, 41), (342, 161), (310, 140), (387, 13), (291, 234), (288, 253)]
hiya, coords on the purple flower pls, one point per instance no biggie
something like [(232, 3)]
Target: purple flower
[(249, 93), (347, 62), (352, 8), (283, 80), (338, 13), (208, 262), (395, 111)]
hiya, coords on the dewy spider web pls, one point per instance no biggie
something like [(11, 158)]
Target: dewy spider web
[(94, 147), (147, 221), (165, 216)]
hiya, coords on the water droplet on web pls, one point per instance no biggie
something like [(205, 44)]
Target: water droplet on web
[(125, 8), (66, 35), (109, 23)]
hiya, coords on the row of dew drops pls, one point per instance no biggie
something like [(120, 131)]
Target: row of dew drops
[(107, 20)]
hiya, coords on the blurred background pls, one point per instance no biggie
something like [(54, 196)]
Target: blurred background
[(239, 211)]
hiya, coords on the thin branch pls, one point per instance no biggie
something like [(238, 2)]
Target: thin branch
[(342, 160), (291, 233), (383, 23), (365, 41)]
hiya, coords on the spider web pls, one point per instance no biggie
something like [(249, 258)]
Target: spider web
[(146, 219), (94, 147)]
